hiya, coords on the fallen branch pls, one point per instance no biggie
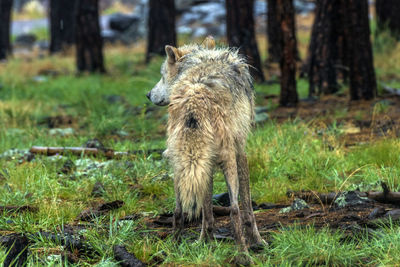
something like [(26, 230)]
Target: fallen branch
[(125, 258), (86, 151), (386, 197), (312, 197)]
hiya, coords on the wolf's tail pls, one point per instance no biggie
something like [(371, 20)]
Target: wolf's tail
[(192, 153)]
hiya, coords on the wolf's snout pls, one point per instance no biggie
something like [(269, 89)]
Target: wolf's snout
[(148, 95)]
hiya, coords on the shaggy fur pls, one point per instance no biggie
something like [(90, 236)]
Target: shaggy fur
[(210, 97)]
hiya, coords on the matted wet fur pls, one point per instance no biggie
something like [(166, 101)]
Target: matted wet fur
[(210, 97)]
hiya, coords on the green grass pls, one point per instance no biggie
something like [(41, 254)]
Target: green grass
[(294, 155)]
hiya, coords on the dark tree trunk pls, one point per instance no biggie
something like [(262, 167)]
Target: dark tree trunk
[(388, 16), (273, 33), (89, 44), (285, 12), (241, 34), (5, 20), (161, 27), (323, 50), (359, 51), (62, 24)]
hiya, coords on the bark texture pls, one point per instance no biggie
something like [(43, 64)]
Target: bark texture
[(359, 50), (241, 34), (285, 12), (161, 27), (273, 33), (89, 44), (62, 24), (323, 49), (5, 19)]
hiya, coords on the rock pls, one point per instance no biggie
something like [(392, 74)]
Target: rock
[(25, 39), (261, 117), (43, 45), (124, 28), (298, 204), (122, 22), (110, 36), (222, 199), (394, 215), (351, 198), (376, 213)]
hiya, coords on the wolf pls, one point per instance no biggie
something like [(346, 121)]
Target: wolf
[(210, 101)]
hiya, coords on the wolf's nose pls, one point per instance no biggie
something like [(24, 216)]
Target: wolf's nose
[(148, 95)]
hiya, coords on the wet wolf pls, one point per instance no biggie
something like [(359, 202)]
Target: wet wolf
[(210, 101)]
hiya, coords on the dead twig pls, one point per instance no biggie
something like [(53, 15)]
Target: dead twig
[(86, 151)]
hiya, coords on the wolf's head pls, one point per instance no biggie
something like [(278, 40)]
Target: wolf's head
[(159, 95)]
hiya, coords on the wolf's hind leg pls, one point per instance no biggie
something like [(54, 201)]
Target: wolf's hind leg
[(231, 176), (251, 231), (207, 225), (178, 219)]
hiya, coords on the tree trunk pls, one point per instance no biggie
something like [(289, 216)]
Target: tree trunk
[(323, 50), (388, 16), (161, 27), (89, 44), (285, 13), (273, 33), (5, 20), (62, 24), (359, 50), (241, 34)]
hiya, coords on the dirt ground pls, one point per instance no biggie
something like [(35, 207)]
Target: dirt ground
[(360, 121)]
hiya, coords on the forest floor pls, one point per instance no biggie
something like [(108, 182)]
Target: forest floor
[(73, 210)]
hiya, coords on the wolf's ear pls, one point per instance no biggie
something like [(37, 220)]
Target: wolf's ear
[(173, 54), (209, 42)]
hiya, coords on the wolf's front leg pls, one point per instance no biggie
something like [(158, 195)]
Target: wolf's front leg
[(207, 225)]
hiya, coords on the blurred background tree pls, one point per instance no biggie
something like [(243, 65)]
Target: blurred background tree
[(273, 33), (388, 16), (359, 50), (62, 24), (285, 13), (89, 43), (5, 18), (161, 27), (241, 34)]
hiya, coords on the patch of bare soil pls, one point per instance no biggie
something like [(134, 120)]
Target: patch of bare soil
[(361, 121), (352, 219)]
